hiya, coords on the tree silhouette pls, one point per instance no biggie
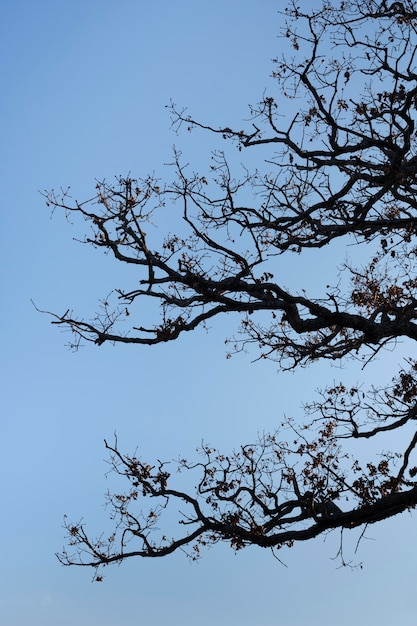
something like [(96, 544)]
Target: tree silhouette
[(342, 167)]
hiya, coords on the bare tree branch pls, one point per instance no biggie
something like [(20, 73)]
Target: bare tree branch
[(340, 169)]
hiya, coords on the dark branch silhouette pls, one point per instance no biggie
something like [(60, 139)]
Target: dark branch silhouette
[(341, 169)]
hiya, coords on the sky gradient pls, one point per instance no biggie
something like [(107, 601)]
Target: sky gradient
[(85, 84)]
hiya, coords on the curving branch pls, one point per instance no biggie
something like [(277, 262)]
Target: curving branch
[(340, 169), (252, 497)]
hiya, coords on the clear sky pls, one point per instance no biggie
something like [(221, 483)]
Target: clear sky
[(84, 89)]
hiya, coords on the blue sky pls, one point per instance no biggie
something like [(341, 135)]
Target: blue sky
[(84, 89)]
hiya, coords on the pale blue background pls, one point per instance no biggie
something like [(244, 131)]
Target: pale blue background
[(84, 84)]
